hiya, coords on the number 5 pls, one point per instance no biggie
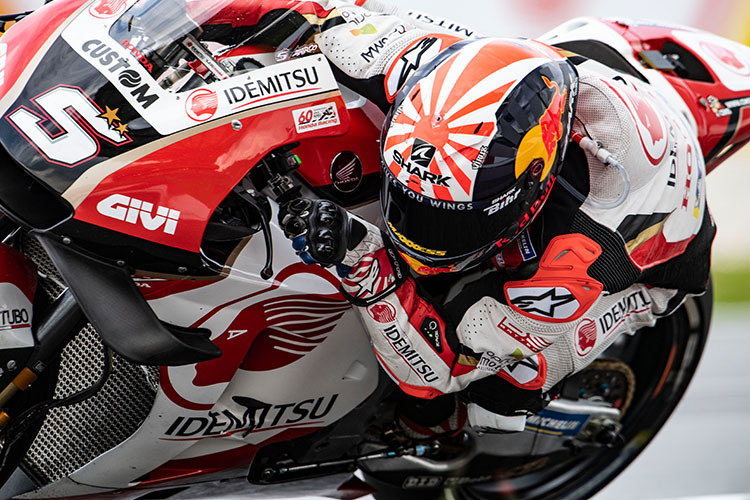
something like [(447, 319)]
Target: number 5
[(79, 121)]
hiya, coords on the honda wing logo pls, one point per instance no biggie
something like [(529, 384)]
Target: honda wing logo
[(134, 211)]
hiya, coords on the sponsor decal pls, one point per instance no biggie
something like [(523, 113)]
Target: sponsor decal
[(526, 247), (633, 303), (528, 216), (430, 329), (555, 302), (201, 105), (354, 15), (316, 117), (272, 86), (138, 55), (415, 246), (78, 134), (403, 348), (443, 23), (651, 129), (556, 423), (108, 59), (14, 318), (419, 482), (422, 153), (382, 312), (526, 372), (585, 336), (492, 363), (346, 172), (256, 418), (367, 29), (301, 51), (135, 211), (373, 51), (503, 201), (727, 58), (479, 160), (532, 342), (540, 142), (416, 169), (407, 64), (106, 9)]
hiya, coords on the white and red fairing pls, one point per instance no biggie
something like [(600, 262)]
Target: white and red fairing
[(717, 105), (291, 344), (295, 356)]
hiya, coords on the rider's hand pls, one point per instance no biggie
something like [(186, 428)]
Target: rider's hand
[(321, 231)]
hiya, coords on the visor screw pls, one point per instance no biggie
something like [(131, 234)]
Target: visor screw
[(236, 125), (12, 365), (182, 269), (66, 240), (121, 263)]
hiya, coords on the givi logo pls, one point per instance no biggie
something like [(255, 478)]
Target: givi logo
[(135, 211)]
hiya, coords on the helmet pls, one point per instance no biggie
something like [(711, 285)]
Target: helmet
[(471, 149)]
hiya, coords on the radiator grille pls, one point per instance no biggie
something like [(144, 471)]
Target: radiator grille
[(72, 436)]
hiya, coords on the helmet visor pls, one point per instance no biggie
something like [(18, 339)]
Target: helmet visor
[(444, 234)]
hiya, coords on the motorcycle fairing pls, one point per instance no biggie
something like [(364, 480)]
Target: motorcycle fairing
[(203, 411), (18, 283), (138, 160)]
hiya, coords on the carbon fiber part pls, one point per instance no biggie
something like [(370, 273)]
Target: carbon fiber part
[(73, 436)]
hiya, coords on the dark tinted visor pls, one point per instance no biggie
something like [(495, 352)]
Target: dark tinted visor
[(441, 233)]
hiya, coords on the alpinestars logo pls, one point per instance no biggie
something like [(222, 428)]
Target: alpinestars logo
[(557, 303), (422, 153), (135, 211)]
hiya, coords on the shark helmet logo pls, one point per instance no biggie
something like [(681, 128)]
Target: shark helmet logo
[(201, 105), (105, 9), (422, 153)]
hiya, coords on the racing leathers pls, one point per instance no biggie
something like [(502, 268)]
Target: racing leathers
[(612, 250)]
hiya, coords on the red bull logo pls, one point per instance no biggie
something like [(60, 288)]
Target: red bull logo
[(104, 9), (541, 141), (202, 105)]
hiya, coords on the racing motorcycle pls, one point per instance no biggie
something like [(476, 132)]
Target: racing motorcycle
[(161, 339)]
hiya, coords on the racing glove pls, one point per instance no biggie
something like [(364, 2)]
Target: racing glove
[(322, 232)]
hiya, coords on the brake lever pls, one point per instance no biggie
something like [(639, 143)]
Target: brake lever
[(267, 270)]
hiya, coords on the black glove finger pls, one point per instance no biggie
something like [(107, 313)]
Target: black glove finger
[(293, 226), (299, 206)]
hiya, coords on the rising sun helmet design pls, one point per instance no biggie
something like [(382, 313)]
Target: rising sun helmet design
[(471, 149)]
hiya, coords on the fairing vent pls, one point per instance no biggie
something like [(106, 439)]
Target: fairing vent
[(73, 436)]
